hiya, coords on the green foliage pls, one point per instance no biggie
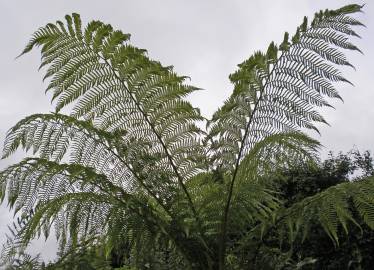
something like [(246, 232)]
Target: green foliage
[(305, 180), (128, 174)]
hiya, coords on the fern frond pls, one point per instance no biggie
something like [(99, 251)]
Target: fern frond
[(118, 88), (259, 107), (13, 250), (125, 163), (78, 201), (334, 209), (275, 152), (277, 91), (254, 202)]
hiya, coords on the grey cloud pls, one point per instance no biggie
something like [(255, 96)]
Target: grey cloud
[(202, 39)]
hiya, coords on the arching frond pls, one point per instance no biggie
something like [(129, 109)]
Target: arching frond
[(274, 152), (334, 209), (118, 88), (53, 136), (77, 201), (278, 91)]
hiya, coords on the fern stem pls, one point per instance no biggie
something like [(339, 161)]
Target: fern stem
[(222, 243), (170, 159), (222, 246)]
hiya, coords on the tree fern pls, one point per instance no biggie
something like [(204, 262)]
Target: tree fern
[(118, 88), (130, 167)]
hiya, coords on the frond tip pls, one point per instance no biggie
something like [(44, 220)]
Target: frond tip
[(279, 91)]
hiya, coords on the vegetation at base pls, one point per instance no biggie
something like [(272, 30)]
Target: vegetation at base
[(354, 250), (317, 251)]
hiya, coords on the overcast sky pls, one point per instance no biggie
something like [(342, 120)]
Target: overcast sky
[(202, 39)]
